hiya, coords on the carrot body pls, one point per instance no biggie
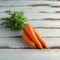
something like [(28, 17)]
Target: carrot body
[(40, 39), (27, 39), (32, 35)]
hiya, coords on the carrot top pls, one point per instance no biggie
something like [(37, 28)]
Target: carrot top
[(15, 21)]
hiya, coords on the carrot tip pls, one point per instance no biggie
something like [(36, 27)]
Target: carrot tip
[(48, 49)]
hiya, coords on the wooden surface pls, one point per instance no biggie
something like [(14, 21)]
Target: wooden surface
[(44, 16)]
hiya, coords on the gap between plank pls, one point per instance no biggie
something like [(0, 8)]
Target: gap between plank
[(53, 47), (39, 27), (21, 37)]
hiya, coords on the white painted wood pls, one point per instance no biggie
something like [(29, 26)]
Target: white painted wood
[(41, 23), (6, 32), (56, 4), (31, 9), (49, 32), (26, 8), (36, 15), (13, 43), (50, 35), (30, 0), (45, 23), (45, 9), (11, 3), (29, 54), (52, 41), (20, 43)]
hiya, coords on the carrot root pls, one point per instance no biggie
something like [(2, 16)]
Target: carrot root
[(40, 39), (27, 39), (30, 32)]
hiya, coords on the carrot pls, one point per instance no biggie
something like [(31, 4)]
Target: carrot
[(32, 35), (40, 39), (27, 39)]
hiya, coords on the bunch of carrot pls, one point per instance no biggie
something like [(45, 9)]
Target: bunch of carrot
[(17, 21), (32, 37)]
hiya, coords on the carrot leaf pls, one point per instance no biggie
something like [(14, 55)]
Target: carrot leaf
[(15, 21)]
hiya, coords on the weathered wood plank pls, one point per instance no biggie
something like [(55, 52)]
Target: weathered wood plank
[(36, 15), (30, 0), (15, 43), (6, 32), (26, 9), (6, 35), (54, 3), (46, 9), (22, 54), (54, 24), (29, 3), (8, 3), (38, 9)]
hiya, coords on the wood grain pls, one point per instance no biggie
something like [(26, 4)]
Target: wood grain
[(45, 24), (30, 53), (43, 15), (37, 9), (36, 15), (19, 43), (6, 32), (13, 43), (24, 3)]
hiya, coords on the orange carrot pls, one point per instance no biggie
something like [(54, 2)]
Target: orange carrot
[(27, 39), (30, 32), (40, 39)]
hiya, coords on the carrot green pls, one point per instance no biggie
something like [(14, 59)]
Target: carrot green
[(15, 21)]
